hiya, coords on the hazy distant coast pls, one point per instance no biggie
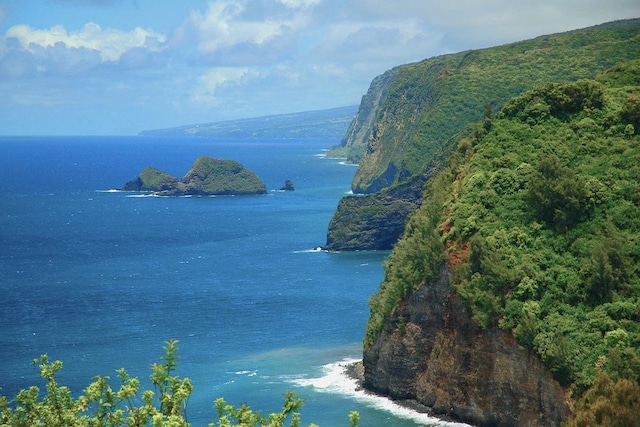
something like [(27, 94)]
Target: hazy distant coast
[(331, 123)]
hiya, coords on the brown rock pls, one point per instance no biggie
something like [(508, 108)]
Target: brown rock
[(432, 352)]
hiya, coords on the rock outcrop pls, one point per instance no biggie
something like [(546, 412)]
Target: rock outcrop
[(207, 177), (288, 186), (152, 179), (432, 352)]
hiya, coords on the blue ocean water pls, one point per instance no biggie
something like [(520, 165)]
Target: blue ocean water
[(100, 278)]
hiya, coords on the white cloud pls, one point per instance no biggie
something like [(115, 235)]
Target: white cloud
[(220, 27), (111, 44), (213, 80), (226, 59), (241, 32), (297, 4)]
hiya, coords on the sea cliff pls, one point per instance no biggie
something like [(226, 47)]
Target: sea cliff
[(512, 296), (408, 121), (432, 352)]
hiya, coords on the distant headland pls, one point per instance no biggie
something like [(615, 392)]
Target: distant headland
[(330, 123), (207, 177)]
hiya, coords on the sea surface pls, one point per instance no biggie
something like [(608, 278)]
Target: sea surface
[(101, 278)]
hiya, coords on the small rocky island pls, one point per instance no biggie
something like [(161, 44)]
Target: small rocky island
[(288, 186), (207, 177)]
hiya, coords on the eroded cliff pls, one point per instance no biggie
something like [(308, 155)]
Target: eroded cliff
[(432, 352)]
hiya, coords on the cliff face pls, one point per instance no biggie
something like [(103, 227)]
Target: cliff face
[(532, 219), (431, 351), (428, 102), (357, 136), (374, 221)]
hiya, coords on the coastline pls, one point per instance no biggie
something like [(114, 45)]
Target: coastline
[(355, 372)]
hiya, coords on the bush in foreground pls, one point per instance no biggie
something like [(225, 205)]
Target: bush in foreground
[(102, 406)]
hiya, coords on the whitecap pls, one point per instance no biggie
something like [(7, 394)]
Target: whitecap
[(309, 251), (111, 190), (335, 380), (247, 373), (141, 195)]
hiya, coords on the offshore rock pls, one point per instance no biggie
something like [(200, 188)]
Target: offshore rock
[(288, 186), (432, 352), (151, 179), (207, 177)]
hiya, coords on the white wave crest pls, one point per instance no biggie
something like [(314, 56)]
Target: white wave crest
[(141, 195), (308, 251), (335, 380)]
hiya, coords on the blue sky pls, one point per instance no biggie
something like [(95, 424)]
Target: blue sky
[(90, 67)]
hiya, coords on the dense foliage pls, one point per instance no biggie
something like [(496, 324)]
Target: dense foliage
[(428, 102), (537, 216), (102, 406)]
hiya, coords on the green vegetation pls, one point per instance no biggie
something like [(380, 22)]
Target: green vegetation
[(151, 179), (429, 102), (214, 176), (102, 406), (207, 176), (536, 214)]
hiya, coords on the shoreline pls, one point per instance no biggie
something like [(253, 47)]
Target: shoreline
[(355, 371)]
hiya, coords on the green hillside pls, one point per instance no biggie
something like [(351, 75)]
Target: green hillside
[(537, 214), (407, 122), (428, 102)]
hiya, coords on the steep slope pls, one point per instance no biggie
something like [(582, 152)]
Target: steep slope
[(354, 141), (519, 277), (425, 104)]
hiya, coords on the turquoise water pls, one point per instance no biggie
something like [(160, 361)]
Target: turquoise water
[(100, 278)]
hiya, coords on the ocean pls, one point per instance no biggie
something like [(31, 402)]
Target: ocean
[(100, 278)]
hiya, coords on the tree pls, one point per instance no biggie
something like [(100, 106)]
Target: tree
[(102, 406), (556, 193), (608, 404)]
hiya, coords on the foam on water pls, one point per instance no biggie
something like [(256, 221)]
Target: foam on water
[(336, 380)]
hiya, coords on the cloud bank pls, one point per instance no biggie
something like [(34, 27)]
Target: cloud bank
[(204, 61)]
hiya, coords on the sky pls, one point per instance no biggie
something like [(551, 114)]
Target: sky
[(116, 67)]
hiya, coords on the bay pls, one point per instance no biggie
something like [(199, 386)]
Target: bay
[(100, 278)]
